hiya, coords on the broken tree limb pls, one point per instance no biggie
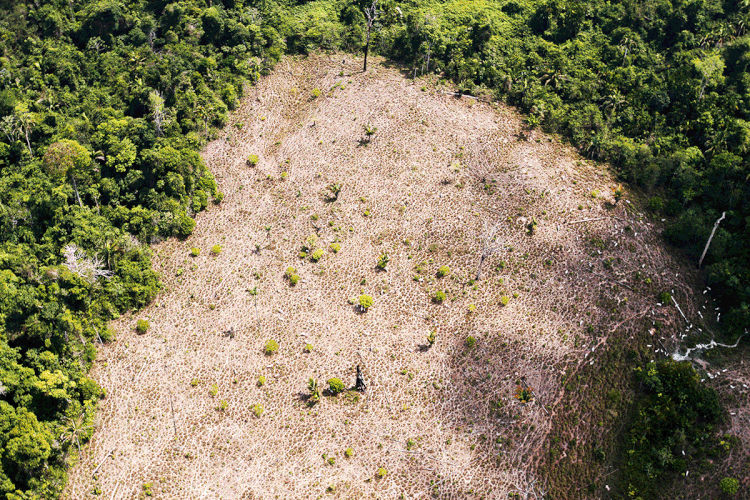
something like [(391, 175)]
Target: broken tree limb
[(716, 224), (106, 456), (678, 308), (587, 220), (174, 423)]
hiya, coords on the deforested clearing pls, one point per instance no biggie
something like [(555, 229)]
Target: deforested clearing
[(567, 285)]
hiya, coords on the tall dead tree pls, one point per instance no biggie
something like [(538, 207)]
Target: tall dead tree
[(371, 15), (490, 246), (716, 224)]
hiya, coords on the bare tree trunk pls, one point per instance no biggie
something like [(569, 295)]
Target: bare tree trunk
[(479, 271), (75, 188), (28, 143), (367, 47), (371, 14), (716, 224)]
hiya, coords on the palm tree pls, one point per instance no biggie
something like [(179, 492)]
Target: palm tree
[(75, 429)]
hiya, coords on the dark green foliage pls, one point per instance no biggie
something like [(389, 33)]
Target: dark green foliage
[(675, 421), (104, 106), (103, 109)]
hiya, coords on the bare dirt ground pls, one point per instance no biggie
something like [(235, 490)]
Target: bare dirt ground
[(180, 416)]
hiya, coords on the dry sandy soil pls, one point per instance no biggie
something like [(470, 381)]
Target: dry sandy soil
[(180, 408)]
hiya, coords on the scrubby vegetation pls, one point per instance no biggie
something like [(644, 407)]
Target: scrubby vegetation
[(676, 419)]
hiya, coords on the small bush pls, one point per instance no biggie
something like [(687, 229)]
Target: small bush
[(195, 251), (504, 300), (665, 297), (524, 394), (349, 452), (290, 271), (381, 473), (308, 348), (141, 326), (365, 301), (261, 381), (335, 247), (335, 385), (383, 261), (312, 386), (195, 382), (315, 93), (729, 486), (294, 279), (252, 160), (257, 410), (439, 296), (223, 405), (443, 271), (317, 255), (216, 249), (271, 347), (214, 390), (431, 337), (470, 341), (656, 204)]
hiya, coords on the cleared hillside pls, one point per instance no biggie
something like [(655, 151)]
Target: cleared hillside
[(579, 275)]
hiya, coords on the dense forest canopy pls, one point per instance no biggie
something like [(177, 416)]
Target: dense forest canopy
[(105, 104)]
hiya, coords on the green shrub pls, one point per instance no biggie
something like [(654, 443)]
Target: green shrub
[(261, 381), (257, 410), (673, 407), (312, 386), (317, 255), (141, 326), (439, 296), (381, 473), (271, 347), (335, 247), (349, 452), (290, 271), (252, 160), (214, 390), (294, 279), (431, 337), (443, 271), (308, 348), (656, 204), (504, 300), (665, 297), (383, 261), (470, 341), (365, 301), (315, 93), (195, 251), (216, 249), (223, 405), (729, 486), (335, 385)]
